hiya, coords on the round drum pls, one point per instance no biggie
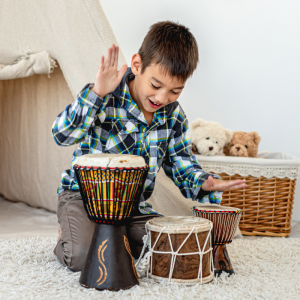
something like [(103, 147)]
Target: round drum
[(225, 222), (110, 185), (181, 249)]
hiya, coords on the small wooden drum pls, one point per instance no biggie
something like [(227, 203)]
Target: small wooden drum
[(110, 187), (225, 222), (181, 249)]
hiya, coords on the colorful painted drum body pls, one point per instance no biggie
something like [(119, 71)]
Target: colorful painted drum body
[(181, 250), (110, 186), (225, 222)]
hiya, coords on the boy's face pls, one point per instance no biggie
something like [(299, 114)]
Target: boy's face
[(153, 89)]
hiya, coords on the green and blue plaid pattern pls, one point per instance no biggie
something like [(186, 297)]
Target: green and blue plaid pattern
[(115, 124)]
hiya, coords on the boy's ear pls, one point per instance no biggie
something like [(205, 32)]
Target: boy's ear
[(136, 64)]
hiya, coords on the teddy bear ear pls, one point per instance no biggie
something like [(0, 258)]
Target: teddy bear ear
[(226, 150), (255, 136), (229, 135), (198, 123)]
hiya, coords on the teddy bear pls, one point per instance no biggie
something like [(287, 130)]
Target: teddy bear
[(208, 137), (243, 144)]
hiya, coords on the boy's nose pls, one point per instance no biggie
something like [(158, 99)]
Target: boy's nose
[(162, 99)]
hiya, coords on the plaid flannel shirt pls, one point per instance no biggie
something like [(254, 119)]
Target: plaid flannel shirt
[(115, 124)]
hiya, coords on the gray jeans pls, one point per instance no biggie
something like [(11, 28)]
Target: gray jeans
[(77, 231)]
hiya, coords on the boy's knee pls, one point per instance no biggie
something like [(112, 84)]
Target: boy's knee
[(63, 253), (71, 256), (77, 231), (135, 232)]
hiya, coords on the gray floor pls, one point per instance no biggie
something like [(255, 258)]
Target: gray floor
[(20, 220)]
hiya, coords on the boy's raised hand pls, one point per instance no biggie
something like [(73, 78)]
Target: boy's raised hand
[(213, 184), (107, 77)]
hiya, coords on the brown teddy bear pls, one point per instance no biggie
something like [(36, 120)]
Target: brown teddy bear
[(243, 144)]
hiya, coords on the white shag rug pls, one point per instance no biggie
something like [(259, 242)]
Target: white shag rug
[(266, 268)]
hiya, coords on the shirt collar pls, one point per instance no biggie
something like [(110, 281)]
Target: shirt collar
[(123, 94), (119, 90)]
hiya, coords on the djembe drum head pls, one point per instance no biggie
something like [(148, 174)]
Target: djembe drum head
[(180, 249)]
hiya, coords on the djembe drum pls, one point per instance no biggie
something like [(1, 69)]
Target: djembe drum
[(180, 249), (225, 222), (110, 186)]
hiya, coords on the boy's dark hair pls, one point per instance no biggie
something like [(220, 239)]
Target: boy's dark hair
[(173, 47)]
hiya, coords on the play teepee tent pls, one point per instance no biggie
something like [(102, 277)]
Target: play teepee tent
[(49, 50)]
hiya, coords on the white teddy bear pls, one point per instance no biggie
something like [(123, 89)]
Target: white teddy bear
[(209, 137)]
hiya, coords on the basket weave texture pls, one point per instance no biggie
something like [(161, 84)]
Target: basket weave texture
[(267, 204)]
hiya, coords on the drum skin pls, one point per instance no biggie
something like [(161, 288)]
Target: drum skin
[(108, 160)]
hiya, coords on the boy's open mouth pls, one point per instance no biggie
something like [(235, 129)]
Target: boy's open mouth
[(153, 104)]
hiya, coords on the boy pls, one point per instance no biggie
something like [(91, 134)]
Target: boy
[(133, 111)]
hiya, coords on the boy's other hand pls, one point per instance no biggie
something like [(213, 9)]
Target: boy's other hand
[(212, 184), (107, 77)]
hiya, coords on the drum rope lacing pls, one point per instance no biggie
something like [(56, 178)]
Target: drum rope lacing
[(143, 265)]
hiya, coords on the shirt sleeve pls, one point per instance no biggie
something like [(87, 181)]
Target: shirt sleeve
[(71, 125), (182, 166)]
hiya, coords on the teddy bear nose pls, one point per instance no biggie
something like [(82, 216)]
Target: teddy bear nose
[(238, 148), (211, 148)]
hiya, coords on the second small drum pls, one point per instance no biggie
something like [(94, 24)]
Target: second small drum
[(225, 221), (181, 249)]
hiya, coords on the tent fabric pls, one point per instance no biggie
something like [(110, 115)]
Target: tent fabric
[(74, 33), (28, 65), (167, 198), (31, 162)]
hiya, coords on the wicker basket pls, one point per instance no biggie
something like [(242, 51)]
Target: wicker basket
[(267, 202)]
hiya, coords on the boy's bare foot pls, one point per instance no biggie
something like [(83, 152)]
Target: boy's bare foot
[(59, 234)]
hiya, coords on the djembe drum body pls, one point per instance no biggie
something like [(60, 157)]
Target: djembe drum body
[(110, 186), (180, 249), (225, 222)]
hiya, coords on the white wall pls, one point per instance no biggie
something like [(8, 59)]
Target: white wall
[(249, 75)]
